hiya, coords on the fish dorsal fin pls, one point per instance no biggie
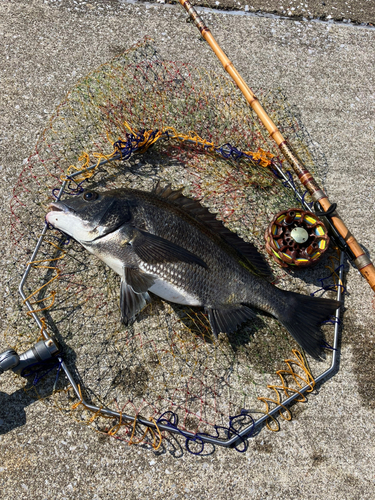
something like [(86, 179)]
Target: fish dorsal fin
[(167, 192), (253, 258)]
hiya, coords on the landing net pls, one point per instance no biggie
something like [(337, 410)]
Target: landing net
[(205, 138)]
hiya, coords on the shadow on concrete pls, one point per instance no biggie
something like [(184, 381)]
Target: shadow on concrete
[(12, 410)]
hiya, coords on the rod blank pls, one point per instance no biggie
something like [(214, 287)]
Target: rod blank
[(362, 262)]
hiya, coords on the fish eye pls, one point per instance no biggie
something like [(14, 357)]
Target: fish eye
[(90, 196)]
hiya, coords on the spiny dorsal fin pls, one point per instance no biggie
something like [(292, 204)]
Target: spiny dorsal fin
[(253, 258)]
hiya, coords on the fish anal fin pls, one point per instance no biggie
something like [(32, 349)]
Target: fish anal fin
[(153, 250), (131, 303), (228, 320)]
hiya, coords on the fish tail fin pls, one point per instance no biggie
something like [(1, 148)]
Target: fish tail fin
[(302, 316)]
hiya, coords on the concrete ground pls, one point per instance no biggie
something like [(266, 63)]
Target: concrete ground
[(326, 69), (352, 11)]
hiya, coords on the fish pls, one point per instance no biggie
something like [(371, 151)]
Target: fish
[(164, 242)]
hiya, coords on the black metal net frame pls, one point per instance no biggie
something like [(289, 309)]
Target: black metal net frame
[(228, 435), (235, 438)]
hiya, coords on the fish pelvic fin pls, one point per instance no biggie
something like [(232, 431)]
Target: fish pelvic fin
[(131, 303), (302, 316), (138, 280), (228, 320)]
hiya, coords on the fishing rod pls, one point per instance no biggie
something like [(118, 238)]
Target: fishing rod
[(323, 207)]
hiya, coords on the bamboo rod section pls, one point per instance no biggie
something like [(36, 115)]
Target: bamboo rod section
[(362, 262)]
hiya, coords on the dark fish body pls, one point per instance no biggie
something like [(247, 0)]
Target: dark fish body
[(170, 245)]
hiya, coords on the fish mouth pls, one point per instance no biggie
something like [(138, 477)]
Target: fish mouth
[(58, 206)]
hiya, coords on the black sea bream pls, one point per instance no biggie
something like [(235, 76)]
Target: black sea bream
[(168, 244)]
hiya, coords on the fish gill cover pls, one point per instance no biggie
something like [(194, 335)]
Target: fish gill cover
[(166, 361)]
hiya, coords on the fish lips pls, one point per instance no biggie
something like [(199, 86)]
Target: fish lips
[(59, 206), (57, 215)]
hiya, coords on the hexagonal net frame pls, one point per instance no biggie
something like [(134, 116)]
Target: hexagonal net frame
[(164, 371)]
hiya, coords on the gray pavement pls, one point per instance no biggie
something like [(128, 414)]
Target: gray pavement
[(354, 11), (328, 450), (357, 12)]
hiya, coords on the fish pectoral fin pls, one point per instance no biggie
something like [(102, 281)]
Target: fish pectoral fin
[(153, 250), (138, 280), (227, 320), (131, 303)]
